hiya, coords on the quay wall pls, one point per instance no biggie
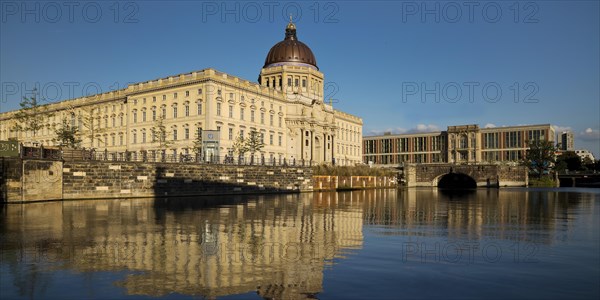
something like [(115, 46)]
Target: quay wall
[(323, 183), (41, 180)]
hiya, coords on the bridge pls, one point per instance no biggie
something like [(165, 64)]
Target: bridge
[(579, 179), (464, 176)]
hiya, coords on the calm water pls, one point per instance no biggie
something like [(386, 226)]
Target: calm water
[(508, 243)]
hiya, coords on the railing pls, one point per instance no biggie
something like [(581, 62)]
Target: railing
[(197, 159), (157, 157)]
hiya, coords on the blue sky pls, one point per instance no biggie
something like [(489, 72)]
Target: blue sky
[(400, 65)]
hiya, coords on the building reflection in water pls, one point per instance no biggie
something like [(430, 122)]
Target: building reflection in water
[(275, 245)]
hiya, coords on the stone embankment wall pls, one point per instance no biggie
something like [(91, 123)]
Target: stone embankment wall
[(321, 183), (38, 180)]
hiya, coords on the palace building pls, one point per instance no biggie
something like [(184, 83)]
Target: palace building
[(467, 144), (286, 107)]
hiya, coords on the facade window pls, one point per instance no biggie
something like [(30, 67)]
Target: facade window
[(134, 137), (113, 121), (187, 110), (144, 101), (303, 83), (174, 111), (491, 140), (121, 120), (134, 116), (164, 97), (230, 134), (464, 142), (296, 82), (279, 138), (231, 111), (174, 134), (164, 112), (252, 116), (270, 139), (241, 113), (154, 99), (219, 92), (112, 139), (120, 140), (262, 118), (143, 136), (199, 108), (512, 139), (271, 120), (186, 132), (174, 95), (153, 115), (242, 133), (280, 122), (199, 91), (218, 109), (218, 128), (289, 81), (187, 93)]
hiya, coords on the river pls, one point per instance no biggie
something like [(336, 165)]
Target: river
[(372, 244)]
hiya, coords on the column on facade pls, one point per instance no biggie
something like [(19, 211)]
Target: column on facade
[(332, 148), (301, 139)]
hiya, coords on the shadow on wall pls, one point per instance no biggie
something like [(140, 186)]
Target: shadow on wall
[(457, 181), (167, 185)]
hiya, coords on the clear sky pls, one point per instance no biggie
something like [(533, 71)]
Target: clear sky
[(400, 65)]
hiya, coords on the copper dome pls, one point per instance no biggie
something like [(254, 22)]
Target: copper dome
[(290, 51)]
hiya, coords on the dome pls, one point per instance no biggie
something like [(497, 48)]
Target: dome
[(290, 51)]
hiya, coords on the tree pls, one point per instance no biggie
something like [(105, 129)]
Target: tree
[(240, 147), (67, 135), (32, 116), (254, 142), (568, 160), (198, 142), (540, 156), (159, 134), (89, 128)]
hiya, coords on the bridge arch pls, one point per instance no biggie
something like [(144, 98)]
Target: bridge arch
[(455, 181)]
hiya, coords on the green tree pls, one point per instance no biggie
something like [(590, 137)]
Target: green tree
[(568, 160), (254, 142), (540, 156), (67, 135), (32, 116)]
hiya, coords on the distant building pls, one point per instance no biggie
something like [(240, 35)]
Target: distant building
[(567, 141), (583, 154), (458, 144)]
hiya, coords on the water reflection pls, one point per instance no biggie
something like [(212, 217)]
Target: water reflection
[(277, 246)]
